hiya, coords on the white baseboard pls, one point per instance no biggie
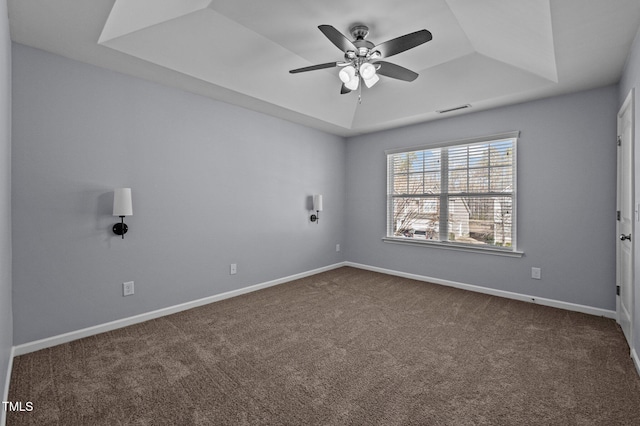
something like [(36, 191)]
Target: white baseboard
[(113, 325), (5, 391), (501, 293), (48, 342)]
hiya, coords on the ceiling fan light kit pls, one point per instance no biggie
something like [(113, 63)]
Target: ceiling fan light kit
[(360, 55), (347, 74)]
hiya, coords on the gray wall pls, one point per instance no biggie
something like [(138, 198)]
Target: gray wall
[(566, 200), (6, 319), (212, 184), (215, 184), (631, 80)]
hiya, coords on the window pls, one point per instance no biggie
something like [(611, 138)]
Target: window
[(459, 194)]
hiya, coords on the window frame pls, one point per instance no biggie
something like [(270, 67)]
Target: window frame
[(446, 195)]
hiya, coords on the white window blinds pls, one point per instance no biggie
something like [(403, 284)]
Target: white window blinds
[(455, 193)]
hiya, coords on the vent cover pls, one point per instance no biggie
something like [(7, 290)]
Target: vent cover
[(444, 111)]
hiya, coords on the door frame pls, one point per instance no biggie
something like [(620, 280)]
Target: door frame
[(628, 106)]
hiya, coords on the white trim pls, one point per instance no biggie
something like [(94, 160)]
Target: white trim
[(48, 342), (5, 392), (452, 246), (500, 293), (113, 325), (515, 134), (636, 360)]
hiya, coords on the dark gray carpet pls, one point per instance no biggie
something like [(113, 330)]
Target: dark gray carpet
[(343, 347)]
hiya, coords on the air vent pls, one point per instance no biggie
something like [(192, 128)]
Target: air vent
[(444, 111)]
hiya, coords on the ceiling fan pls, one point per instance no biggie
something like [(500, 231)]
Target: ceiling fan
[(361, 57)]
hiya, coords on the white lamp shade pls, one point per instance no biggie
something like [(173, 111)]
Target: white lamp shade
[(347, 73), (369, 82), (367, 71), (353, 83), (317, 203), (122, 205)]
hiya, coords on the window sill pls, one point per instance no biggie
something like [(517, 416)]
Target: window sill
[(452, 246)]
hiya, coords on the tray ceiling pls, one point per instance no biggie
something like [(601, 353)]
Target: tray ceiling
[(485, 54)]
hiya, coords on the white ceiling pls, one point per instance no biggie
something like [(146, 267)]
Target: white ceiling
[(484, 53)]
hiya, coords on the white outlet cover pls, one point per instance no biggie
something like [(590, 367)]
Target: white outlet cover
[(128, 288), (536, 273)]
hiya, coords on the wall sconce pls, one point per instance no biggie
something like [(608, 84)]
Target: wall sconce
[(122, 207), (317, 206)]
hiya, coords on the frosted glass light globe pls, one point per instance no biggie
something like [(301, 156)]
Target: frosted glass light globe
[(367, 71), (347, 74)]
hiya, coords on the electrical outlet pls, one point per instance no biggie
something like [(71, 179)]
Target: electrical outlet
[(233, 269), (536, 273), (127, 288), (337, 247)]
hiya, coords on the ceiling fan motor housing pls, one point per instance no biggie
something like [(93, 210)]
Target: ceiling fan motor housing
[(363, 50)]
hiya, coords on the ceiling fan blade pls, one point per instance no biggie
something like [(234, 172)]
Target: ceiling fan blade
[(315, 67), (405, 42), (395, 71), (337, 38), (344, 90)]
